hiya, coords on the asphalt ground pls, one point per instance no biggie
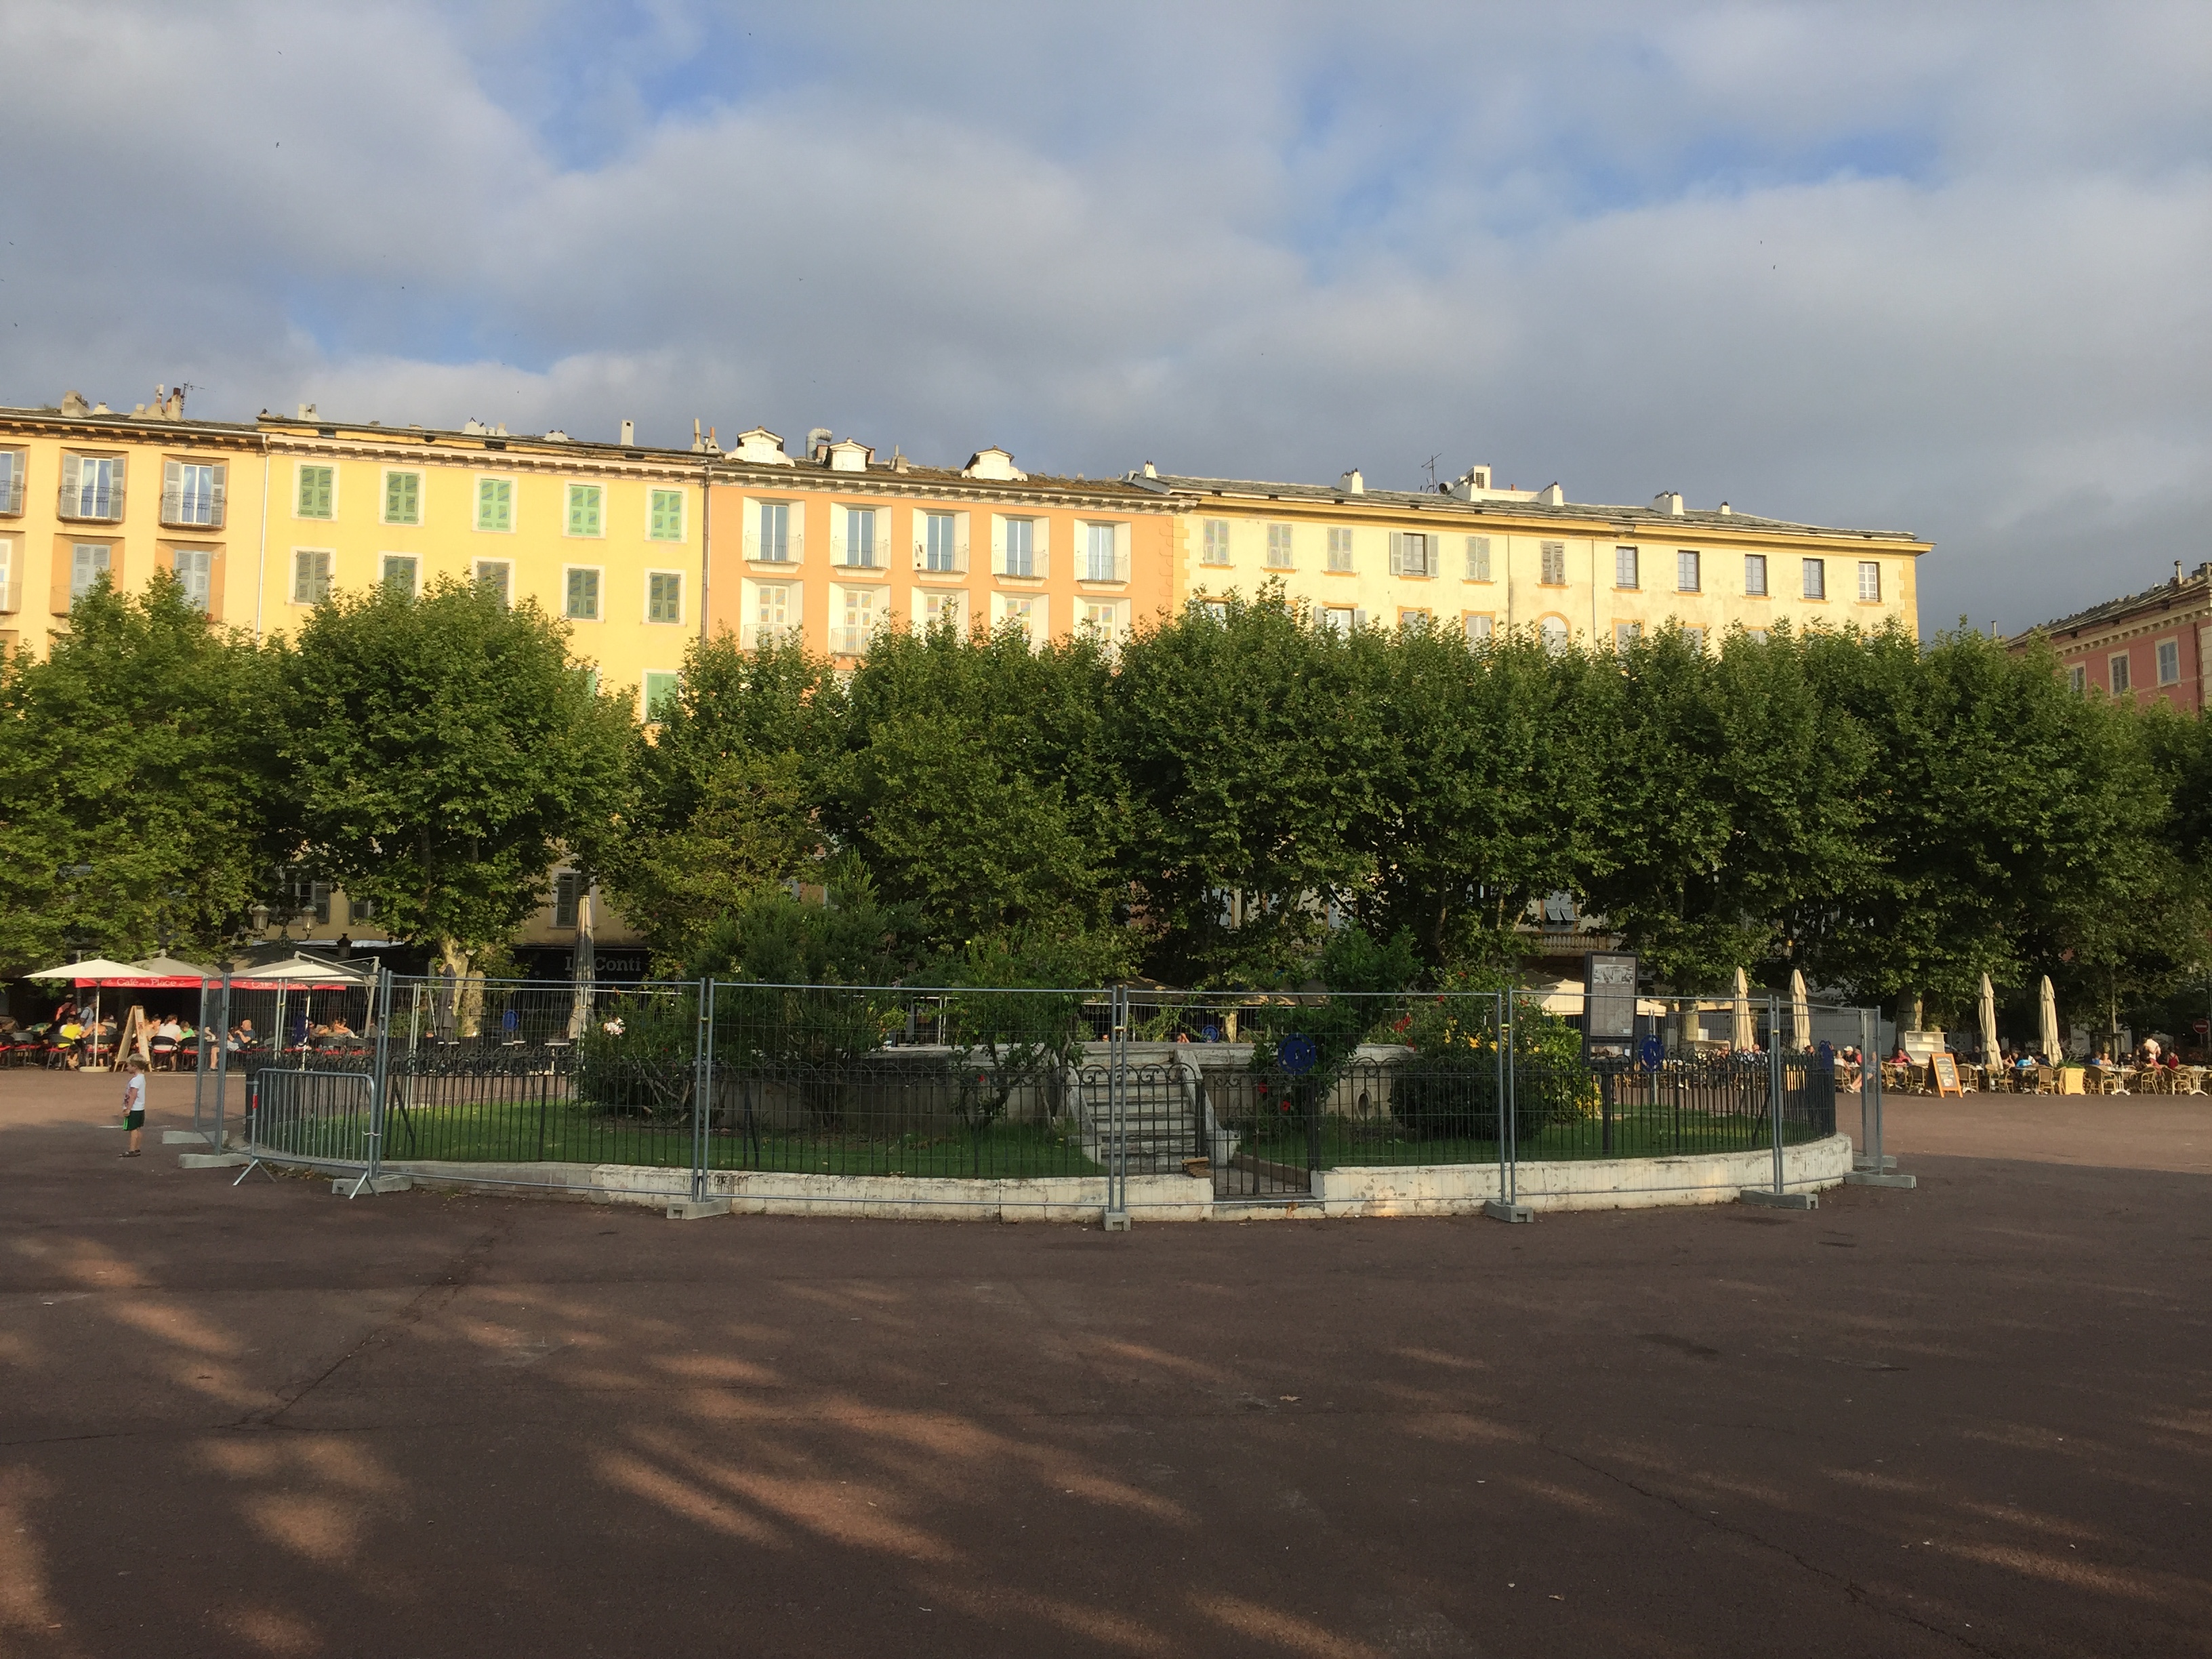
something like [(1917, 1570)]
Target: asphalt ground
[(1971, 1418)]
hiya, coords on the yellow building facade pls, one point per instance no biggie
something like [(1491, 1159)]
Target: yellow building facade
[(1478, 559)]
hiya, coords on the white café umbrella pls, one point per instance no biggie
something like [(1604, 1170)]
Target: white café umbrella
[(1801, 1011), (1989, 1022), (97, 972), (1741, 1038), (2052, 1051)]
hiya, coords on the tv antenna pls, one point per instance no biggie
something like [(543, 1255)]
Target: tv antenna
[(1431, 465)]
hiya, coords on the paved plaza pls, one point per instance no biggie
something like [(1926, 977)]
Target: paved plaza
[(1971, 1418)]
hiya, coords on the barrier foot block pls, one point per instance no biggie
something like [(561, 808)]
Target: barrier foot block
[(212, 1160), (1117, 1221), (1879, 1178), (183, 1137), (1769, 1198), (697, 1209), (346, 1186), (1865, 1163), (1499, 1210)]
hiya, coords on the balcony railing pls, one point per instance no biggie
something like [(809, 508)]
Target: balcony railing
[(93, 506)]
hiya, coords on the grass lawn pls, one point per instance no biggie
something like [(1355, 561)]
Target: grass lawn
[(574, 1132)]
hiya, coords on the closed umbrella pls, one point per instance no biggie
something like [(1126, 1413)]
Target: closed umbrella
[(2051, 1052), (1742, 1037), (1989, 1022), (1801, 1011)]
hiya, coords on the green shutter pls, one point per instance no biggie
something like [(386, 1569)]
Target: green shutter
[(403, 498), (494, 504), (584, 509), (667, 520), (315, 490)]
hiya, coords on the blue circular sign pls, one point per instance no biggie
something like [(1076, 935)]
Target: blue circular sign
[(1297, 1055), (1652, 1052)]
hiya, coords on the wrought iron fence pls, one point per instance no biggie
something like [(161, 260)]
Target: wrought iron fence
[(686, 1085)]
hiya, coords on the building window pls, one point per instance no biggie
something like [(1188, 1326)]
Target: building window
[(1689, 578), (860, 537), (2169, 662), (1340, 618), (494, 575), (1552, 630), (403, 498), (195, 568), (771, 612), (581, 601), (1340, 547), (1216, 609), (1623, 566), (11, 482), (664, 597), (860, 621), (496, 504), (191, 493), (1477, 558), (1102, 554), (1695, 638), (1551, 565), (1213, 542), (2119, 674), (1756, 635), (1411, 616), (568, 891), (1103, 618), (940, 543), (1754, 574), (1021, 547), (1279, 547), (89, 562), (1020, 613), (92, 487), (317, 494), (1625, 634), (661, 691), (1816, 578), (775, 532), (1480, 630), (400, 572), (1409, 555), (665, 516), (1869, 580), (311, 577), (2077, 678), (941, 609), (586, 515)]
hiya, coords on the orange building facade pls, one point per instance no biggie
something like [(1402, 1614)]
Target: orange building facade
[(834, 545)]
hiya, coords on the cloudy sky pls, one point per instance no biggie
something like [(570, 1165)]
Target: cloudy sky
[(1941, 268)]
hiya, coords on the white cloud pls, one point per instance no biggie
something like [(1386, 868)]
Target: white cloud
[(1868, 264)]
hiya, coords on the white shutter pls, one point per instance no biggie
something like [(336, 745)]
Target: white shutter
[(1122, 552), (1041, 547), (1358, 618), (1397, 553), (998, 544), (7, 576), (72, 483), (749, 541), (172, 492), (837, 533), (795, 532), (960, 542), (222, 480)]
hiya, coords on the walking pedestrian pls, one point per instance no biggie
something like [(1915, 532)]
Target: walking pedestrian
[(134, 1105)]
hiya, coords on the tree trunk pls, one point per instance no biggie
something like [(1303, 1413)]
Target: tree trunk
[(584, 967)]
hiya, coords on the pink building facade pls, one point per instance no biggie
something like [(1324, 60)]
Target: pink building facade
[(2156, 644)]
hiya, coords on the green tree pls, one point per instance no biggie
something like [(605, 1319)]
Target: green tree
[(136, 801), (444, 752), (724, 791), (1252, 747), (976, 784)]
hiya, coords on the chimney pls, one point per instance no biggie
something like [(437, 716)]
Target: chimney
[(1668, 501), (1552, 495), (818, 443), (1726, 511), (1150, 472), (2177, 573), (306, 411), (1352, 484), (74, 405), (629, 434)]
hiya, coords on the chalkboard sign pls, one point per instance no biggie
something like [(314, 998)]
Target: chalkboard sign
[(1945, 1068)]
